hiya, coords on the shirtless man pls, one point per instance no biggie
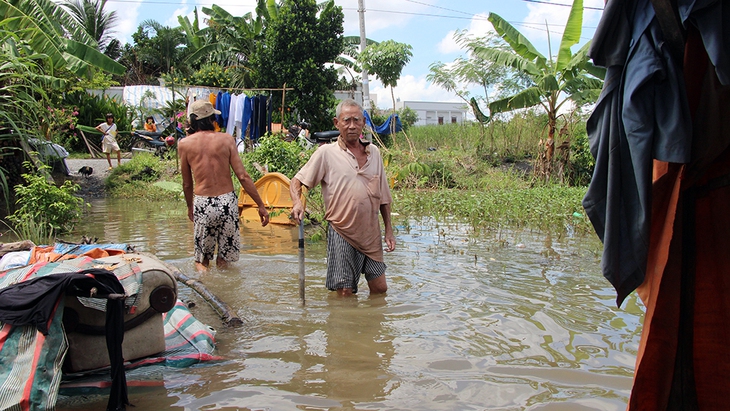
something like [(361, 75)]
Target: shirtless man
[(206, 160)]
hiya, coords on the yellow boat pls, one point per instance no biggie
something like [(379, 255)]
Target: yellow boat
[(274, 191)]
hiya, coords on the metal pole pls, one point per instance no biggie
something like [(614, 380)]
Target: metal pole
[(301, 261), (363, 44), (283, 109)]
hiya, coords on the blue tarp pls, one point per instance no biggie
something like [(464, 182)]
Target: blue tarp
[(385, 127)]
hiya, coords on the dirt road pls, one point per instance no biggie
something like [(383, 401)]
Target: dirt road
[(93, 185)]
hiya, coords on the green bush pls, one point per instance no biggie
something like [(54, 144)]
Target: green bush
[(582, 162), (277, 155), (42, 204), (134, 178)]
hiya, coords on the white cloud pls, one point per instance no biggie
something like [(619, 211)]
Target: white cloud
[(182, 11), (127, 15), (479, 26), (448, 45), (379, 15)]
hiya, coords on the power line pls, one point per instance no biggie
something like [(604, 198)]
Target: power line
[(468, 16), (438, 7), (526, 1), (534, 26), (560, 4)]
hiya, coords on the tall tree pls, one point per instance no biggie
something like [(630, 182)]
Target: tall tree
[(474, 71), (233, 41), (552, 82), (300, 40), (386, 61), (43, 27), (97, 22), (160, 47)]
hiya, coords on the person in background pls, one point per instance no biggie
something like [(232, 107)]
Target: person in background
[(149, 125), (206, 160), (354, 189), (109, 139)]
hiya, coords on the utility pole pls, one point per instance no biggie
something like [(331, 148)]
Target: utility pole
[(363, 44)]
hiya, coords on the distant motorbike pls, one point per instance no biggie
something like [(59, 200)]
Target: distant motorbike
[(300, 133), (156, 142)]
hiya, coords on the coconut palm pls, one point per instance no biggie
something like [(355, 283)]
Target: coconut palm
[(553, 82), (43, 27), (97, 22), (159, 45)]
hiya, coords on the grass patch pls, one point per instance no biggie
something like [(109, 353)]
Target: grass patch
[(544, 208), (145, 176), (460, 173)]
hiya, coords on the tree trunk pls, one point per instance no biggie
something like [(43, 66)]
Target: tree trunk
[(392, 123)]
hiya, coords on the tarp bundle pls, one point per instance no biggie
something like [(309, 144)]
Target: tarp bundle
[(33, 349), (384, 128), (31, 359)]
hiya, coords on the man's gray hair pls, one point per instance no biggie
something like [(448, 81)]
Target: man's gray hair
[(348, 102)]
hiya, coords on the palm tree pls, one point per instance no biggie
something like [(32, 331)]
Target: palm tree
[(553, 82), (97, 23), (42, 26), (235, 40), (161, 50)]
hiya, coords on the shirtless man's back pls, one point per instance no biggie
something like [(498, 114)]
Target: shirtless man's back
[(206, 160)]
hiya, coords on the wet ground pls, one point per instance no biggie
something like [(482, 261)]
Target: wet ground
[(92, 185), (508, 320)]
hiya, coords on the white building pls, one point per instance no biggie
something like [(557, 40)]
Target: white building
[(433, 112)]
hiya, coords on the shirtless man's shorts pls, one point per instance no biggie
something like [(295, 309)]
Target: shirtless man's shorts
[(216, 223)]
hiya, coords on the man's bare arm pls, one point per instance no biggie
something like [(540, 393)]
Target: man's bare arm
[(389, 237), (187, 177), (295, 191), (247, 183)]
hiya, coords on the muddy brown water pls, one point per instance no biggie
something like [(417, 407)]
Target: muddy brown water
[(508, 320)]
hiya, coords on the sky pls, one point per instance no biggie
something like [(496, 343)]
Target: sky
[(427, 25)]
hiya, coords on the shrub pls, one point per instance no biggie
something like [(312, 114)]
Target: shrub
[(277, 155), (42, 204)]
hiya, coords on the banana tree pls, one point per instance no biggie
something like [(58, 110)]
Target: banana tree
[(234, 39), (45, 27), (553, 82)]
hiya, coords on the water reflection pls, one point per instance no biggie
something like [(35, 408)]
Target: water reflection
[(503, 320)]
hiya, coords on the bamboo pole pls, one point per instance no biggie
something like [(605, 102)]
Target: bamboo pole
[(283, 108), (220, 307)]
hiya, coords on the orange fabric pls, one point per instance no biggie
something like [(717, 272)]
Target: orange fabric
[(46, 254), (712, 305), (688, 368), (660, 294)]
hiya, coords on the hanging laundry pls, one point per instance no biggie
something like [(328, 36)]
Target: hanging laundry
[(231, 123), (223, 104), (246, 117)]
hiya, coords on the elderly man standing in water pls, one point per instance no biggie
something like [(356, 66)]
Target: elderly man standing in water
[(354, 188), (206, 160)]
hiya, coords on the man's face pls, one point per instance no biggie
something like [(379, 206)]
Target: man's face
[(350, 123)]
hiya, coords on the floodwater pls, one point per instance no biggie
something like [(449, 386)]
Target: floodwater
[(510, 320)]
